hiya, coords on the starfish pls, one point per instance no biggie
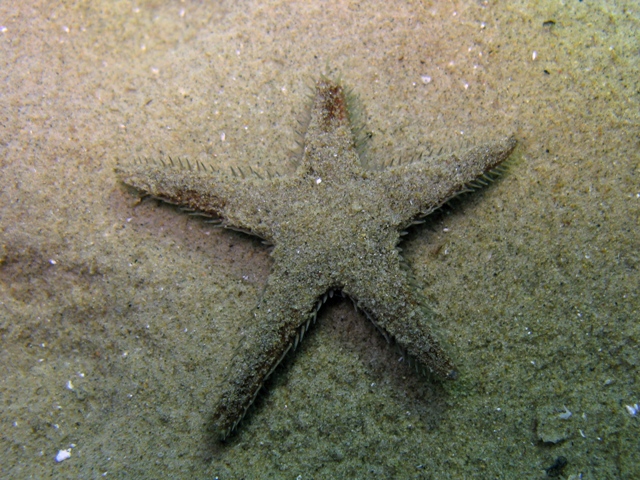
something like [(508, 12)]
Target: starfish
[(335, 225)]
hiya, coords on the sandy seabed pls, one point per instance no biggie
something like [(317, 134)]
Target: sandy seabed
[(118, 317)]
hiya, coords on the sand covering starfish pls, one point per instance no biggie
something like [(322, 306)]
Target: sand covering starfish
[(335, 225)]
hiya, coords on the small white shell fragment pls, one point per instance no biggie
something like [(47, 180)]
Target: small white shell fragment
[(63, 455), (566, 415), (633, 409)]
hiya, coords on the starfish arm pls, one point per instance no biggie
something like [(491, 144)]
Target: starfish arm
[(278, 323), (329, 152), (237, 201), (417, 189), (385, 294)]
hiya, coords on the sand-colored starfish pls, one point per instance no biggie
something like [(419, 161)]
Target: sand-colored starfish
[(335, 225)]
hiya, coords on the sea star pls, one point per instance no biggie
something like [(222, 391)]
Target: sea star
[(335, 225)]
